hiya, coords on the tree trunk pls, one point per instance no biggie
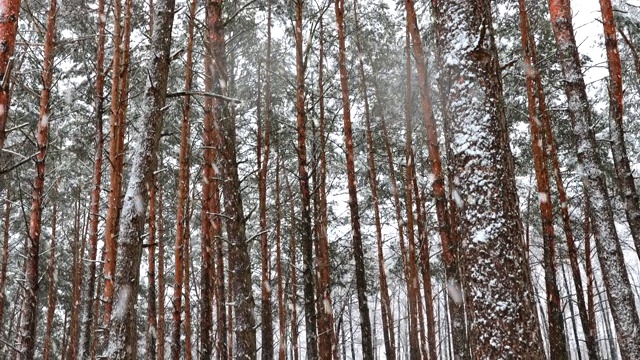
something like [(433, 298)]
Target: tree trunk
[(305, 211), (293, 297), (116, 153), (98, 101), (152, 309), (608, 246), (27, 333), (385, 307), (210, 207), (499, 297), (51, 294), (282, 316), (591, 308), (263, 167), (557, 175), (326, 333), (188, 349), (122, 337), (557, 342), (626, 182), (5, 256), (76, 285), (161, 283), (449, 243), (356, 237), (238, 251), (8, 32)]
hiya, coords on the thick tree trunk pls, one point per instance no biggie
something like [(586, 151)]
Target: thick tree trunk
[(356, 237), (238, 251), (9, 11), (263, 166), (123, 334), (94, 211), (558, 345), (626, 182), (303, 175), (51, 294), (608, 246), (500, 299), (29, 312)]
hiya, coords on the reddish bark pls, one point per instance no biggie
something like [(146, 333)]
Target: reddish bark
[(558, 345), (76, 284), (356, 239), (9, 12), (181, 266), (123, 334), (626, 182), (116, 155), (562, 195), (238, 251), (449, 244), (27, 333), (606, 238)]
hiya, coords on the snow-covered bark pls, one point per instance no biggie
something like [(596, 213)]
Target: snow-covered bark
[(122, 340), (9, 11), (608, 246), (495, 275)]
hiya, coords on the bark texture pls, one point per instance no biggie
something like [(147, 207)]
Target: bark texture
[(499, 295), (10, 10)]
